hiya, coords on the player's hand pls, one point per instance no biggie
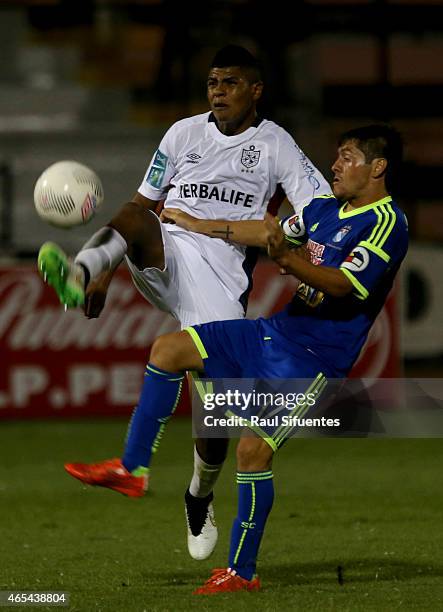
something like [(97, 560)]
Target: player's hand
[(277, 245), (95, 294), (184, 220), (303, 252)]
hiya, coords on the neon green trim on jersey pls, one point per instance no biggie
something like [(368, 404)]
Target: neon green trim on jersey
[(326, 196), (299, 411), (362, 291), (293, 241), (381, 226), (376, 250), (383, 239), (270, 442), (202, 386), (386, 221), (376, 226), (315, 387), (258, 430), (197, 341), (358, 211)]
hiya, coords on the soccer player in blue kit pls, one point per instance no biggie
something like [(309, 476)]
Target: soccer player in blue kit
[(356, 241)]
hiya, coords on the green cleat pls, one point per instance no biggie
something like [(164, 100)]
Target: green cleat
[(66, 277)]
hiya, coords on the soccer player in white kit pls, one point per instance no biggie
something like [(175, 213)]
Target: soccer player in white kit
[(224, 164)]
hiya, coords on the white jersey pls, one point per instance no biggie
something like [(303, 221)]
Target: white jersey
[(212, 176)]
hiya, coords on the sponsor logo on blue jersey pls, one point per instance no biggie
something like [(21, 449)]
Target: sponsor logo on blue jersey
[(316, 251)]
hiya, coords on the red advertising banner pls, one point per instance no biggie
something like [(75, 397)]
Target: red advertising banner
[(60, 364)]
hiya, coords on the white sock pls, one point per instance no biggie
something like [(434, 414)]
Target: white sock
[(103, 251), (204, 477)]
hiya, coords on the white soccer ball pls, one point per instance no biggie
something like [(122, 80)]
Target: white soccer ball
[(68, 194)]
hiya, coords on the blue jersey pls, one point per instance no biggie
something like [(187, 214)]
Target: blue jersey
[(368, 245)]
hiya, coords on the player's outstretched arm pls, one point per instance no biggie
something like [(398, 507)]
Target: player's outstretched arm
[(329, 280), (248, 233)]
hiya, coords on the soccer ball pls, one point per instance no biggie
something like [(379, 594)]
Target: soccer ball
[(68, 194)]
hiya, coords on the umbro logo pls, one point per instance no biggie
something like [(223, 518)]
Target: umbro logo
[(193, 158)]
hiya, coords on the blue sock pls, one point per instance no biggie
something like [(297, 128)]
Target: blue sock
[(158, 400), (255, 497)]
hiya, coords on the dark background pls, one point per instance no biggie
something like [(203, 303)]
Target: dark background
[(101, 80)]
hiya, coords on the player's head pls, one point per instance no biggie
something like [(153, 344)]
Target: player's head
[(368, 158), (234, 87)]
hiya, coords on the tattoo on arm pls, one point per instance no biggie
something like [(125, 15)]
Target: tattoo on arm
[(225, 232)]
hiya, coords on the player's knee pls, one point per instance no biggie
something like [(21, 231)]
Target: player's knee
[(163, 352), (253, 455), (176, 353), (141, 231), (129, 222)]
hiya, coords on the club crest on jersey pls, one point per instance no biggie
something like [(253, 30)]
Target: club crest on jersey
[(250, 157), (342, 233)]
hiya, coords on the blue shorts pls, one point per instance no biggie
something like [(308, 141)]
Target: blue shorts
[(245, 349)]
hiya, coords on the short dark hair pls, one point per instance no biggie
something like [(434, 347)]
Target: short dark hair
[(234, 55), (379, 140)]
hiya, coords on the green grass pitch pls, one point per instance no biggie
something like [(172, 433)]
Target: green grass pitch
[(372, 507)]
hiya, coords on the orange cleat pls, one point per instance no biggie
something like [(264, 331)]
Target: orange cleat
[(111, 474), (224, 580)]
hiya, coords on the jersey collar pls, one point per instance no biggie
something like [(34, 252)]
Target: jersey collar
[(256, 123), (357, 211), (237, 138)]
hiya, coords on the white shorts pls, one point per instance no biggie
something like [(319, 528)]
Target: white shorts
[(187, 287)]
